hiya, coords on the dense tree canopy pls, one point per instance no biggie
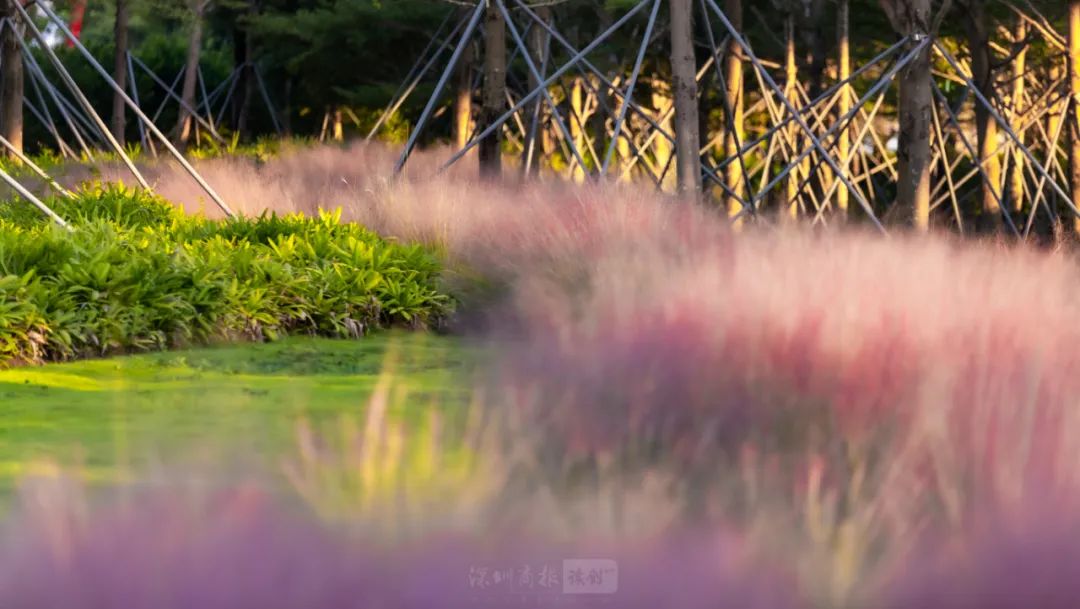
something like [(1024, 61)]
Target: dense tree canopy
[(318, 54)]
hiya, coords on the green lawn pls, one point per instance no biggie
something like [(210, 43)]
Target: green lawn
[(113, 417)]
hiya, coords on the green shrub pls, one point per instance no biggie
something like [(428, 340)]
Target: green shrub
[(137, 274), (111, 204)]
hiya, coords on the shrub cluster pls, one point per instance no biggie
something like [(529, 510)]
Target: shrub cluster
[(137, 274)]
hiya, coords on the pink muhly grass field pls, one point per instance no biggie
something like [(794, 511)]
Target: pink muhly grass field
[(1004, 562), (830, 399), (237, 549)]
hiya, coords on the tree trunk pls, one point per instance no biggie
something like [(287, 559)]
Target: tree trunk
[(238, 49), (843, 105), (605, 101), (339, 125), (1060, 109), (1054, 119), (663, 150), (538, 44), (120, 71), (494, 94), (813, 35), (548, 142), (185, 124), (601, 99), (325, 125), (916, 101), (463, 106), (247, 79), (1074, 110), (11, 81), (982, 71), (286, 113), (623, 149), (1016, 177), (792, 133), (684, 90), (577, 127), (734, 133)]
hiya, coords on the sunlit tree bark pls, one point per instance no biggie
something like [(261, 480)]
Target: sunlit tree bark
[(494, 94), (735, 132), (1019, 67), (912, 18), (843, 105), (186, 124), (11, 79), (684, 90), (463, 106), (985, 124), (1073, 115)]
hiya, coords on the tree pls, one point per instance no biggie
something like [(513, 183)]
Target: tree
[(494, 94), (538, 48), (793, 134), (11, 79), (185, 126), (244, 63), (843, 105), (684, 89), (735, 128), (1074, 110), (576, 110), (985, 124), (120, 72), (463, 106), (1019, 73), (306, 41), (911, 18), (812, 32)]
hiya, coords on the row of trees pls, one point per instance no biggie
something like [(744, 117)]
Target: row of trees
[(970, 74), (348, 54), (328, 66)]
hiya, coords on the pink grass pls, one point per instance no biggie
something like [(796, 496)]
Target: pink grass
[(236, 550), (1008, 562), (838, 387)]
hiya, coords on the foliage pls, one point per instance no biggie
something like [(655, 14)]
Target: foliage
[(261, 150), (162, 50), (395, 129), (309, 39), (136, 274)]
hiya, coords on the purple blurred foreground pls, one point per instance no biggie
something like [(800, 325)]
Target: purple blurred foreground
[(236, 551), (812, 406)]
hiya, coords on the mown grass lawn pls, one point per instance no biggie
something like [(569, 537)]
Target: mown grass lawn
[(113, 417)]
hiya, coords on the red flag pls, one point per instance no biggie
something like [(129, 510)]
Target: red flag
[(78, 8)]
